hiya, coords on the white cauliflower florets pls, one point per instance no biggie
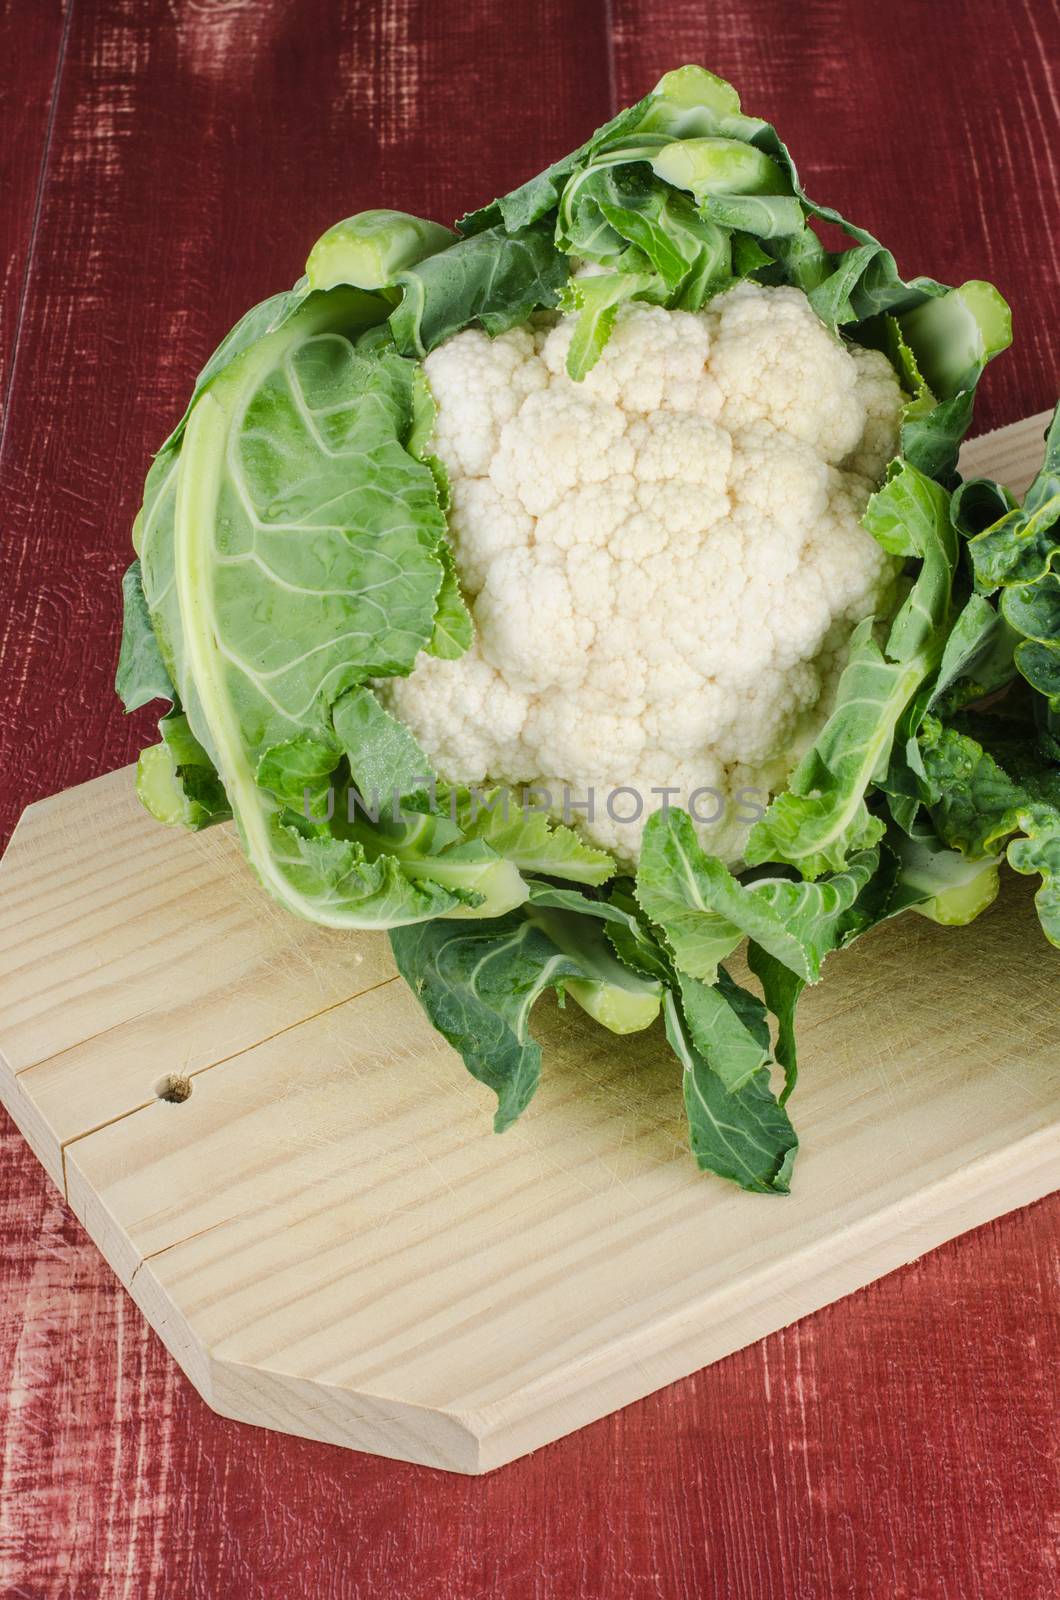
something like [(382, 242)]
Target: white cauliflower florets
[(664, 562)]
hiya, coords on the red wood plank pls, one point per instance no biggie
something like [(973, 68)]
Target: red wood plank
[(897, 1445), (31, 37)]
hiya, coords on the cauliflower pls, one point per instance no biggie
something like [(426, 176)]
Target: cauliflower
[(663, 562), (656, 516)]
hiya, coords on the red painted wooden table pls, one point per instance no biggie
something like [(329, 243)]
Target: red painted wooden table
[(165, 163)]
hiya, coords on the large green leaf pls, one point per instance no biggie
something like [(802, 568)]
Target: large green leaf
[(290, 553), (705, 912), (979, 807), (910, 517), (744, 1134), (494, 278), (823, 817), (1016, 548), (478, 982)]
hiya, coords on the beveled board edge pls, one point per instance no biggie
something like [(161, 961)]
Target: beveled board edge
[(734, 1315)]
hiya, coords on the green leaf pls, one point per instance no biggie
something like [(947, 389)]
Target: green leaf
[(689, 90), (943, 885), (976, 805), (634, 941), (290, 552), (1019, 552), (1021, 548), (372, 248), (764, 216), (622, 998), (977, 659), (705, 912), (691, 254), (931, 439), (712, 166), (596, 299), (618, 214), (428, 848), (823, 816), (728, 1027), (782, 989), (141, 676), (1033, 610), (748, 257), (973, 801), (386, 762), (745, 1136), (955, 334), (257, 324), (910, 516), (494, 278), (299, 772), (478, 982), (1037, 851), (453, 628), (538, 196), (349, 888), (176, 781), (529, 838)]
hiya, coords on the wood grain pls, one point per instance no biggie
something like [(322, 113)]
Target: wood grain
[(898, 1444), (210, 975), (33, 36), (326, 1232)]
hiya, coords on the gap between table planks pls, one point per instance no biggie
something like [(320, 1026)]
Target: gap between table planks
[(329, 1238)]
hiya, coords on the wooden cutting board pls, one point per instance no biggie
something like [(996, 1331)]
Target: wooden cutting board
[(297, 1181)]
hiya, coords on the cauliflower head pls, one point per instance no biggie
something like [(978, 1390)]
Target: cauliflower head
[(664, 562)]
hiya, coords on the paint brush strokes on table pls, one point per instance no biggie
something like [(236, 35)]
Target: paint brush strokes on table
[(163, 164)]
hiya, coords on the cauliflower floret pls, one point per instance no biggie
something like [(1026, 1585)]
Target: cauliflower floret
[(686, 719), (483, 523), (876, 385), (530, 628), (471, 722), (592, 514), (580, 752), (664, 562), (776, 363), (557, 440), (682, 469), (856, 574), (654, 359), (477, 384), (778, 477)]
